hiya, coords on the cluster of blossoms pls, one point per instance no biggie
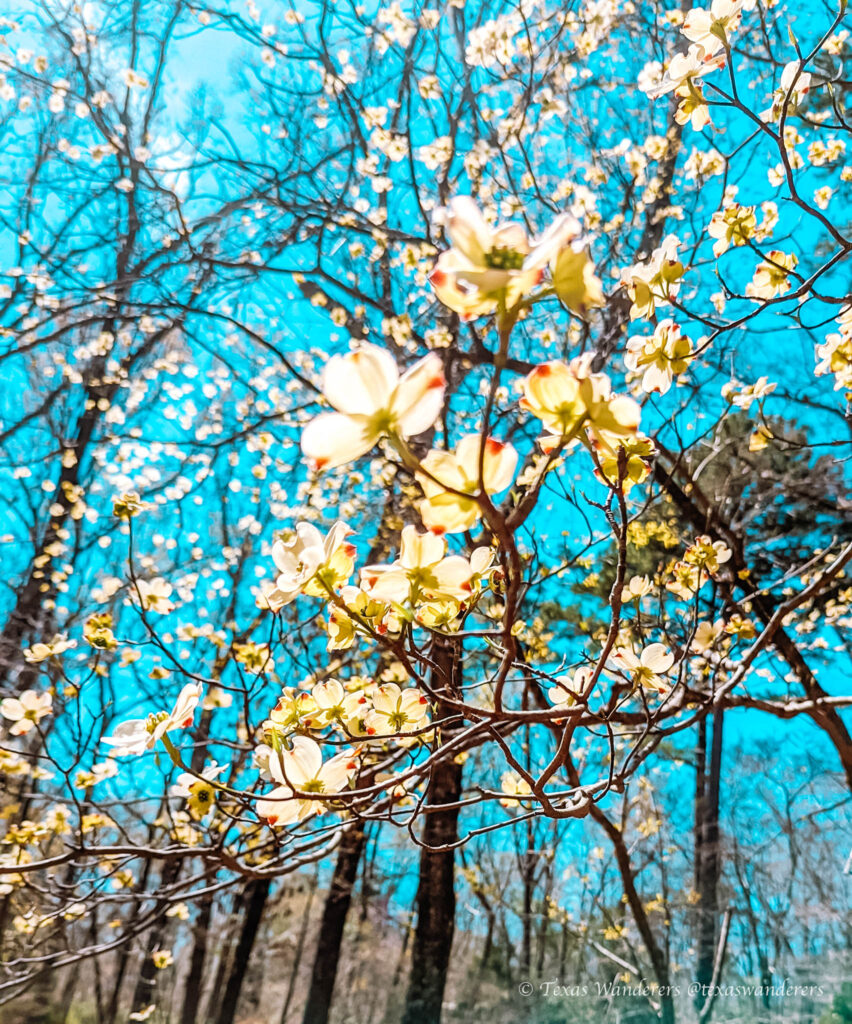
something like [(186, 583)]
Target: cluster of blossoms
[(835, 353), (576, 405), (373, 713), (424, 584), (487, 271), (659, 358), (701, 562), (493, 270), (708, 33)]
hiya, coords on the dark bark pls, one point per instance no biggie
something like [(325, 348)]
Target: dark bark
[(655, 953), (709, 866), (436, 900), (298, 951), (527, 873), (700, 798), (195, 977), (110, 1015), (436, 897), (330, 941), (256, 897), (147, 980)]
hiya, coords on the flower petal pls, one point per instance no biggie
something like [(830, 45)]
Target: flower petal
[(420, 549), (360, 382), (332, 439), (419, 397), (302, 762), (468, 229)]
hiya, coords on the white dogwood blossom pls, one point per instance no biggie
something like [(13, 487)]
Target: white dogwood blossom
[(488, 268), (396, 710), (301, 770), (452, 508), (26, 711), (659, 358), (309, 563), (372, 401), (421, 572), (646, 668), (137, 735)]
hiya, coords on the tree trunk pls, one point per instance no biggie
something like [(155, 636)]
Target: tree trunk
[(257, 895), (436, 900), (111, 1012), (709, 864), (527, 869), (436, 896), (329, 943), (298, 951), (146, 981), (195, 978)]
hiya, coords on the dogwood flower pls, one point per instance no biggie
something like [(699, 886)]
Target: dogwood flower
[(655, 281), (421, 571), (660, 358), (515, 789), (646, 669), (744, 395), (309, 563), (795, 84), (198, 792), (572, 272), (835, 353), (636, 588), (771, 277), (445, 511), (137, 735), (301, 770), (334, 706), (707, 554), (372, 401), (488, 267), (41, 651), (292, 708), (734, 225), (26, 711), (638, 453), (682, 77), (575, 404), (710, 29), (154, 595), (396, 710), (706, 635), (564, 694), (361, 613)]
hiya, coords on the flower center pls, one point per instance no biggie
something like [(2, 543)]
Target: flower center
[(504, 259), (397, 719)]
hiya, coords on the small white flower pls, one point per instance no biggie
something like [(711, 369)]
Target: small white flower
[(646, 669), (396, 711), (301, 770), (25, 711), (372, 401), (137, 735)]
